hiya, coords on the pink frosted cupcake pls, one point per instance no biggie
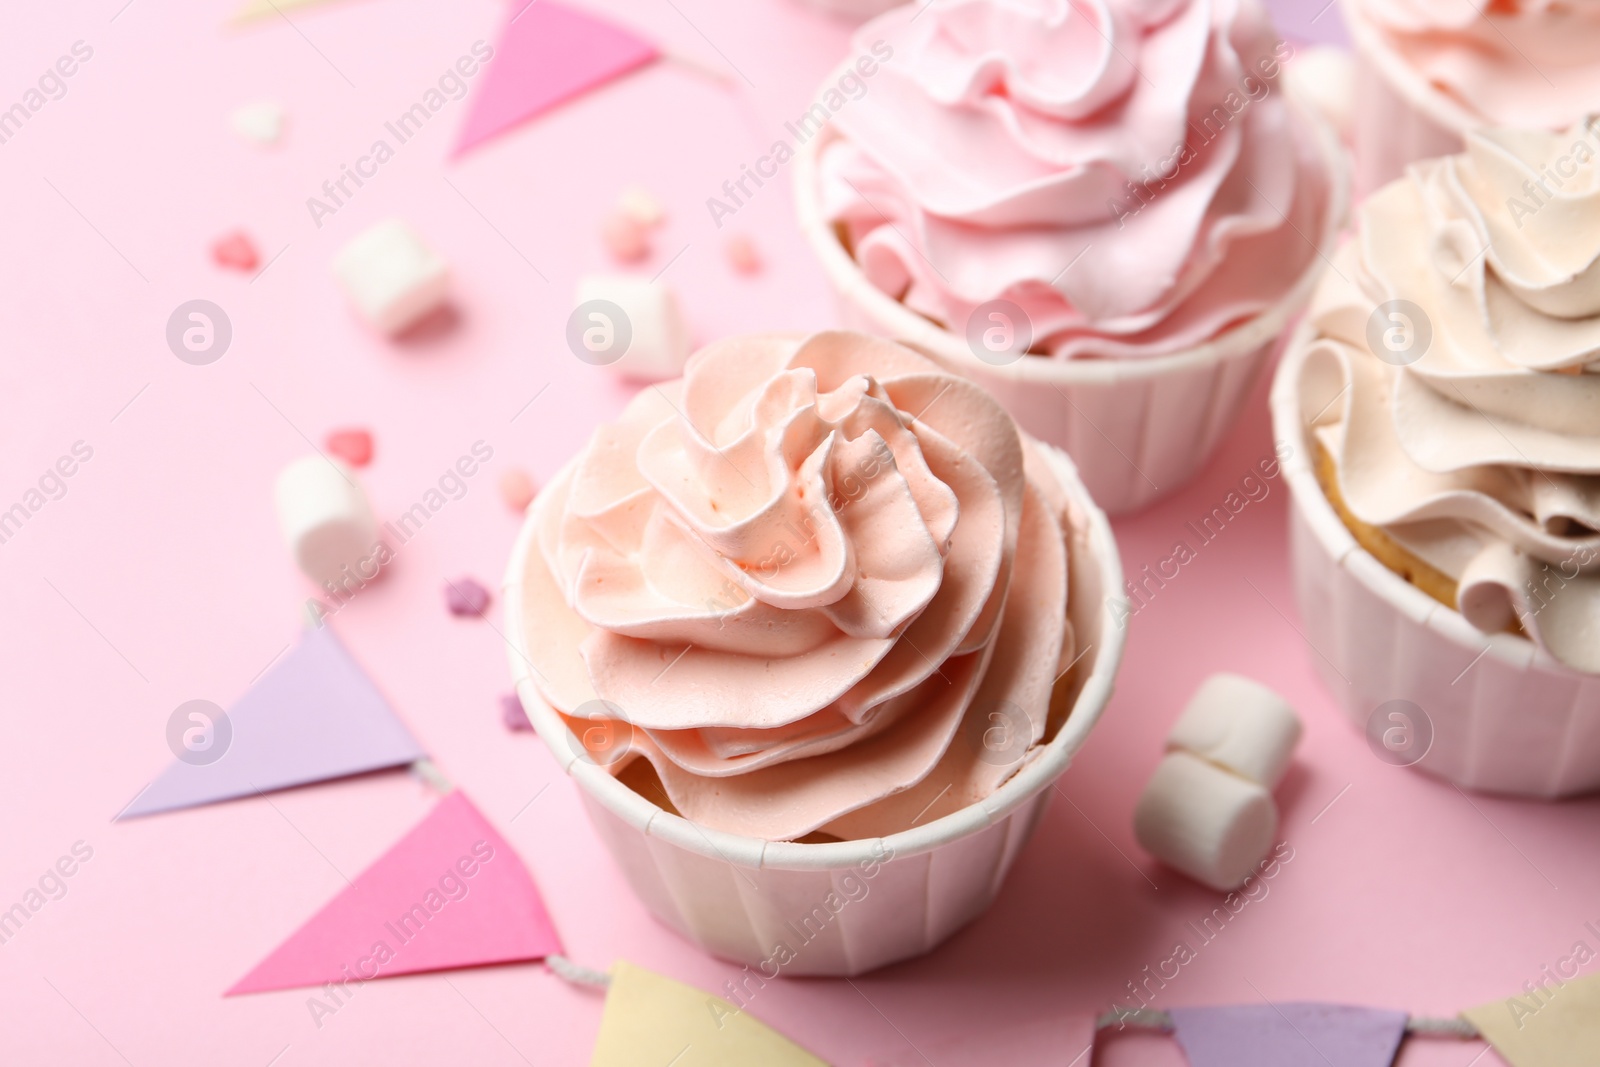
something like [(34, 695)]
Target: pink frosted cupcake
[(1443, 404), (1434, 69), (816, 611), (1106, 214)]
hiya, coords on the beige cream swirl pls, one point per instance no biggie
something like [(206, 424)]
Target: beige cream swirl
[(790, 578), (1456, 379), (1529, 63)]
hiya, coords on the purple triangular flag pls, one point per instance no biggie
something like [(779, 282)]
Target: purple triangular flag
[(313, 716), (1289, 1035)]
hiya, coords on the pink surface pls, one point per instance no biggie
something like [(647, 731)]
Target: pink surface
[(314, 715), (450, 893), (159, 578)]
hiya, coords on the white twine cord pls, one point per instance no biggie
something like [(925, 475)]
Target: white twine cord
[(1152, 1019), (577, 973), (431, 775), (1139, 1018)]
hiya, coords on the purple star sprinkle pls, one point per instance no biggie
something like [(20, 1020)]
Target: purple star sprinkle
[(465, 597), (511, 711)]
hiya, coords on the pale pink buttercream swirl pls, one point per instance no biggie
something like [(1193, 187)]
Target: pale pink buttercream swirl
[(794, 575), (1126, 171), (1499, 62), (1475, 440)]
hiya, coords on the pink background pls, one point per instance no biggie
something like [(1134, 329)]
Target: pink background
[(159, 577)]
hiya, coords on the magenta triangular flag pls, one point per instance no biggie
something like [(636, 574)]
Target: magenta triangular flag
[(313, 716), (547, 53), (1289, 1035), (451, 893)]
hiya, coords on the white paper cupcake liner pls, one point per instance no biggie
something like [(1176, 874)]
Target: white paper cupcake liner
[(848, 907), (1505, 716), (1138, 429), (1398, 117)]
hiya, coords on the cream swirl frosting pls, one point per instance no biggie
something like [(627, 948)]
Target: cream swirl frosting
[(1507, 62), (1465, 421), (1127, 172), (796, 579)]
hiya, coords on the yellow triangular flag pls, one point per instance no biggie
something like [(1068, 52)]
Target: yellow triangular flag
[(255, 9), (652, 1019), (1553, 1026)]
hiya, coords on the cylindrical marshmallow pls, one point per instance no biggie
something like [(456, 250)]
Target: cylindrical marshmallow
[(659, 342), (1211, 825), (391, 276), (325, 518), (1241, 725)]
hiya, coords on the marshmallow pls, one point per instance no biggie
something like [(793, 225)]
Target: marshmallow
[(391, 277), (638, 204), (1211, 825), (658, 341), (261, 122), (1240, 725), (325, 518), (1325, 78)]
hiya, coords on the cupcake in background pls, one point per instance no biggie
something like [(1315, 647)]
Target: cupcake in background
[(1433, 69), (853, 9), (815, 606), (1444, 398), (1106, 215)]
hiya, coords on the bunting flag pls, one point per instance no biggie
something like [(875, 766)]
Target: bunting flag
[(255, 9), (652, 1019), (547, 53), (451, 893), (1289, 1035), (1556, 1025), (1066, 1039), (315, 715)]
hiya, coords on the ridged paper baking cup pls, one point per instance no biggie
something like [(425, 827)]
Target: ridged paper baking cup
[(847, 907), (1504, 717), (1398, 117), (1139, 429)]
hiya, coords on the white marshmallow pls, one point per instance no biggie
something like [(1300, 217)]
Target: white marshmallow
[(1325, 78), (391, 277), (261, 122), (325, 518), (1241, 725), (658, 345), (1211, 825)]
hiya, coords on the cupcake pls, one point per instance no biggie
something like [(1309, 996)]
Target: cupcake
[(816, 614), (1443, 404), (1106, 216), (1434, 69)]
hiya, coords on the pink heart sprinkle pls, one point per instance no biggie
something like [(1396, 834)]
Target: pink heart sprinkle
[(627, 241), (516, 489), (742, 254), (235, 250), (352, 446)]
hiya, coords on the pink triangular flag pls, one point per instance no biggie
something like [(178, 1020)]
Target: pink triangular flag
[(451, 893), (546, 54), (1289, 1035), (313, 716)]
